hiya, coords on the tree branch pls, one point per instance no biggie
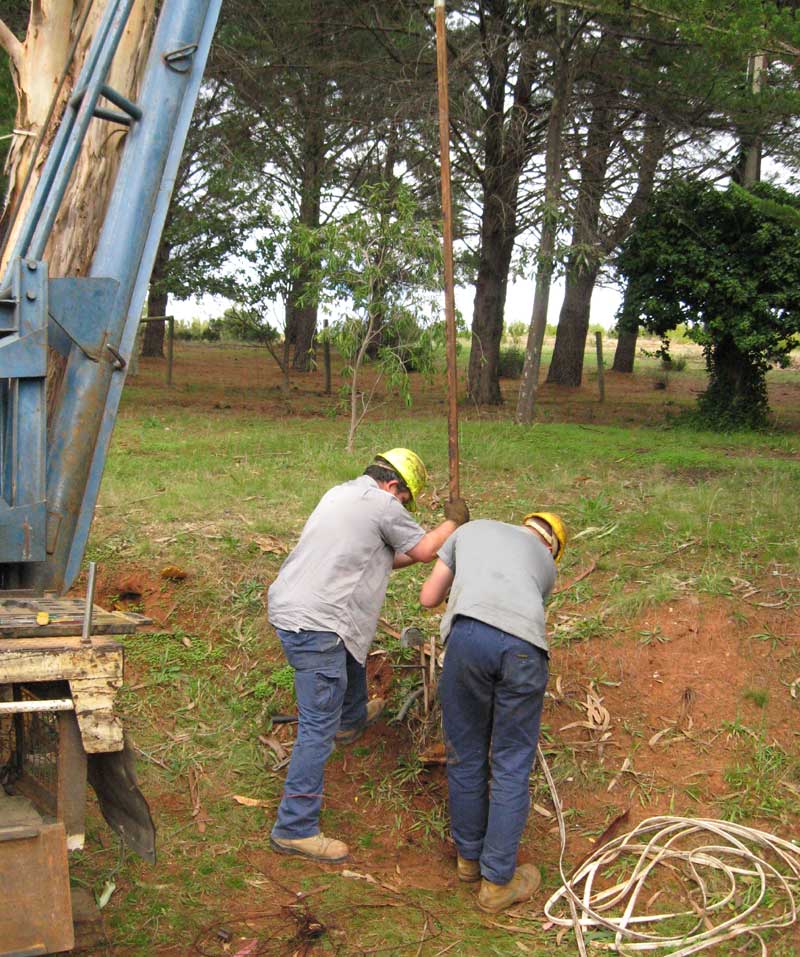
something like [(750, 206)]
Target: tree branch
[(11, 45)]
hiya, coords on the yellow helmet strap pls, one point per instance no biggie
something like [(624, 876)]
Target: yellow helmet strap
[(543, 529)]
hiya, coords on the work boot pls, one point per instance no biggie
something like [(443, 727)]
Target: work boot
[(468, 871), (494, 898), (349, 735), (317, 848)]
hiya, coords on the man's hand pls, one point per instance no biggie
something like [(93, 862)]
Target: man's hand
[(457, 511)]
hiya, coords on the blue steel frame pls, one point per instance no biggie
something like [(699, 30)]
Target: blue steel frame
[(49, 487)]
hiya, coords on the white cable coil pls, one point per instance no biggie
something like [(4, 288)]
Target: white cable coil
[(732, 851)]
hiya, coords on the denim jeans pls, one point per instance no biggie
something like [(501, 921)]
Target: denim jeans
[(331, 690), (492, 692)]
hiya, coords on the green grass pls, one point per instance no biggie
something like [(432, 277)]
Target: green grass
[(664, 513), (756, 785)]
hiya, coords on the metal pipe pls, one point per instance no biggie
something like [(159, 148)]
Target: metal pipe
[(27, 707), (447, 248), (86, 634)]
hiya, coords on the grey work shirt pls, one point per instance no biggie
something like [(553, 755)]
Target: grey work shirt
[(336, 576), (503, 576)]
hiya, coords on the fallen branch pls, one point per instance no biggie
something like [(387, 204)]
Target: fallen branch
[(584, 574), (384, 624)]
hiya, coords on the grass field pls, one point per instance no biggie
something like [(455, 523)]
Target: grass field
[(678, 612)]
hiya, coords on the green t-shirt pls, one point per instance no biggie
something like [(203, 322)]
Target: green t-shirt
[(503, 576), (336, 576)]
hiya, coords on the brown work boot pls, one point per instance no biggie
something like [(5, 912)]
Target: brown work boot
[(493, 898), (349, 735), (468, 871), (317, 848)]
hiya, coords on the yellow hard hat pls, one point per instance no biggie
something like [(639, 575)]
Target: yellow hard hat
[(557, 526), (410, 468)]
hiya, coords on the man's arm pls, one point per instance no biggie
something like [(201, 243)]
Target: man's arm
[(425, 550), (401, 560), (437, 585)]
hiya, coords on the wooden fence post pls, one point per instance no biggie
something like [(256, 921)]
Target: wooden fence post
[(326, 357), (170, 348), (601, 382)]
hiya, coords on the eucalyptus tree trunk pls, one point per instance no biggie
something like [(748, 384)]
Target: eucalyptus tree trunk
[(507, 143), (567, 365), (489, 307), (301, 325), (529, 384), (573, 323), (153, 343), (748, 171), (378, 309), (37, 65), (625, 352)]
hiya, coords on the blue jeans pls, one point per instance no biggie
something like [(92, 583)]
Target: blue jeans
[(331, 689), (492, 692)]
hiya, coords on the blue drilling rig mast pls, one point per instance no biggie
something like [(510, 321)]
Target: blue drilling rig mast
[(59, 669), (51, 470)]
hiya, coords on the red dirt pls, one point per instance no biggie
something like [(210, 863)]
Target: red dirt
[(240, 378)]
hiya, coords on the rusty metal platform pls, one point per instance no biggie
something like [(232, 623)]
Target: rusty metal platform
[(18, 618)]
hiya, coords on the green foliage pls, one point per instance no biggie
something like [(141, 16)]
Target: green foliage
[(381, 262), (218, 206), (8, 109), (243, 324), (282, 678), (671, 364), (726, 265), (198, 330), (517, 330), (511, 362)]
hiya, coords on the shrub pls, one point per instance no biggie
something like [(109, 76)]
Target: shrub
[(198, 330), (517, 330), (512, 360), (670, 364)]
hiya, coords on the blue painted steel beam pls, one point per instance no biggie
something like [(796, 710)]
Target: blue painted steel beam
[(23, 369), (82, 425)]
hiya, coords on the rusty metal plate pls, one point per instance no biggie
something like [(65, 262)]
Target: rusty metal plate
[(35, 903), (18, 618)]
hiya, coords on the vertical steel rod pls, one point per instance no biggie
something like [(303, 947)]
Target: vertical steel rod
[(86, 634), (447, 245)]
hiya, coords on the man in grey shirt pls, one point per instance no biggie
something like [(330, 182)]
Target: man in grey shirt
[(492, 690), (324, 605)]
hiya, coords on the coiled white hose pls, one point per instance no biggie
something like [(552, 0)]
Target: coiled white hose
[(697, 850)]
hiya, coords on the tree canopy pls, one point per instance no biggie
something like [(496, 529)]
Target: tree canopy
[(726, 262)]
